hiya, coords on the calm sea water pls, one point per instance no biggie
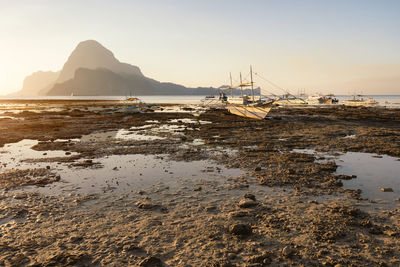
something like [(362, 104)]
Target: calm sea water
[(384, 100)]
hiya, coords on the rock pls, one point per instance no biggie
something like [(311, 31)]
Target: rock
[(386, 189), (150, 262), (250, 196), (238, 214), (391, 233), (129, 248), (75, 239), (210, 208), (257, 169), (240, 229), (67, 153), (145, 205), (287, 252), (48, 167), (247, 203), (197, 188)]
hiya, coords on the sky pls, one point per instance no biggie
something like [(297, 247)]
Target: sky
[(336, 46)]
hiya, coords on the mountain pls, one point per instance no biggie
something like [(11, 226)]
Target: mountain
[(35, 82), (92, 55), (100, 82), (92, 69)]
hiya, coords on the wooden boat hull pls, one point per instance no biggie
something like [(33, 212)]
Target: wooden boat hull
[(249, 111)]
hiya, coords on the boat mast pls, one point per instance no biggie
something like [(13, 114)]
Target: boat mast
[(251, 79), (230, 75), (241, 84)]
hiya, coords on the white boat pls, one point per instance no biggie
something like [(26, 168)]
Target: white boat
[(318, 99), (358, 100), (254, 112), (289, 100), (133, 105), (314, 99), (247, 106)]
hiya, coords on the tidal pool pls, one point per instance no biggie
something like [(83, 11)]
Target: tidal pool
[(111, 174), (373, 172)]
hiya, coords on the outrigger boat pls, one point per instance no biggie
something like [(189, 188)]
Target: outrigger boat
[(253, 112), (246, 106), (289, 100), (318, 99), (358, 100)]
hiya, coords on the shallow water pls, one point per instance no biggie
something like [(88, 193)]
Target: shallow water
[(122, 134), (373, 173), (116, 173), (11, 154)]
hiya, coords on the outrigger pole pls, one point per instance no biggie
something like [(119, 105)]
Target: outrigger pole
[(251, 79), (241, 84), (230, 74)]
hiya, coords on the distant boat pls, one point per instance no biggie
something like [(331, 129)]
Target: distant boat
[(358, 100), (318, 99), (290, 100), (133, 105)]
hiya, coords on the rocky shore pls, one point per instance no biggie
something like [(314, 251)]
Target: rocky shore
[(188, 186)]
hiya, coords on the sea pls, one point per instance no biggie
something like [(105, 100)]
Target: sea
[(389, 101)]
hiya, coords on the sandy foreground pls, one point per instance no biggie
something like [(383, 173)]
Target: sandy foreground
[(89, 184)]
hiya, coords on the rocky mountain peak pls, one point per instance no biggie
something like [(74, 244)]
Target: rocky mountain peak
[(91, 54)]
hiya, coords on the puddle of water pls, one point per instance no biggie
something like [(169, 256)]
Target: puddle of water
[(350, 136), (198, 142), (120, 134), (11, 154), (194, 110), (171, 128), (373, 173), (129, 135), (189, 121), (117, 174), (134, 172), (11, 118), (147, 126), (67, 140), (137, 133), (99, 136), (183, 121)]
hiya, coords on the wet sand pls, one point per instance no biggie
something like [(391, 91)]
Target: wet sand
[(88, 184)]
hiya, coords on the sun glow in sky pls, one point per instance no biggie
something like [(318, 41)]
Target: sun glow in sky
[(340, 46)]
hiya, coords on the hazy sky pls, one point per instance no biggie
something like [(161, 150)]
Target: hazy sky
[(339, 46)]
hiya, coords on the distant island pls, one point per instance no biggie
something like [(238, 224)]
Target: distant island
[(93, 70)]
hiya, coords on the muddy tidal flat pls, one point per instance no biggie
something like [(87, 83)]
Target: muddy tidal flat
[(88, 183)]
